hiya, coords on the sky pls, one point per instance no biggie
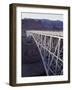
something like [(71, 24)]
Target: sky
[(42, 16)]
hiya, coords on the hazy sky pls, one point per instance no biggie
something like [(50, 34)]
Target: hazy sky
[(42, 16)]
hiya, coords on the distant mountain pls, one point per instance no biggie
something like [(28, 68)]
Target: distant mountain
[(41, 24)]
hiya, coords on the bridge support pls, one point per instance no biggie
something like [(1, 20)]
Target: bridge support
[(51, 51)]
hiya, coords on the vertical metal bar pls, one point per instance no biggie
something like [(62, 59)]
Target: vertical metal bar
[(41, 39), (53, 55), (49, 53), (44, 46), (57, 55)]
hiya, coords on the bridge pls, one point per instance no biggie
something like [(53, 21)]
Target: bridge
[(50, 46)]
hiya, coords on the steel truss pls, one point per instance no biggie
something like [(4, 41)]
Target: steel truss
[(51, 51)]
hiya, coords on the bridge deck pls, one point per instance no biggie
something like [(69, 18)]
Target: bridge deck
[(58, 34)]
